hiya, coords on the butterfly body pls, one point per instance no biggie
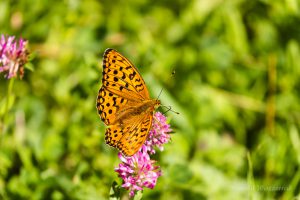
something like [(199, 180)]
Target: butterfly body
[(124, 104), (141, 108)]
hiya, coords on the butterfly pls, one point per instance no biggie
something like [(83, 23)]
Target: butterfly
[(124, 104)]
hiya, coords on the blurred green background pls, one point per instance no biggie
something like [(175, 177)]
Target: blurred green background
[(236, 86)]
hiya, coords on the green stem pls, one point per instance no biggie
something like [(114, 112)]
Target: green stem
[(6, 108)]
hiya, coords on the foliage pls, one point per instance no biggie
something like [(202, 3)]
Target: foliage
[(236, 87)]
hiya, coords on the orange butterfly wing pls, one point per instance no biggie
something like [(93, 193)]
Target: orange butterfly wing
[(123, 104)]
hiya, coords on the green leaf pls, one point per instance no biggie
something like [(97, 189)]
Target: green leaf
[(115, 191)]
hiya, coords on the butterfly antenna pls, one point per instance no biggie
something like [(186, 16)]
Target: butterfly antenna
[(169, 109), (160, 93), (172, 74)]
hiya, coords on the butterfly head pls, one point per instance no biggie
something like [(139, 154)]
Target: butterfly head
[(157, 103)]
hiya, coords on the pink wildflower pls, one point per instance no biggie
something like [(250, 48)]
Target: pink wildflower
[(138, 171), (159, 133), (13, 56)]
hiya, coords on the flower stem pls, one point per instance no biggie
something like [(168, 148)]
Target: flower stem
[(7, 107)]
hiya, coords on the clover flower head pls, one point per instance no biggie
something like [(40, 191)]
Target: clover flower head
[(138, 171), (159, 133), (13, 56)]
